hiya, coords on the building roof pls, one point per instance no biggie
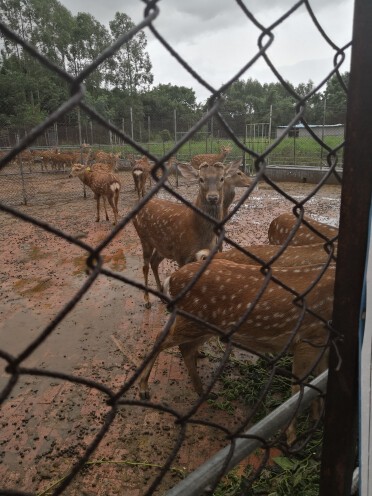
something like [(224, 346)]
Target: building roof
[(297, 126)]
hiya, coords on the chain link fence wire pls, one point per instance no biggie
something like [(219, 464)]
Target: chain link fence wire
[(119, 404)]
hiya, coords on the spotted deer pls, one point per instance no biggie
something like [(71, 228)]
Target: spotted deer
[(102, 183), (282, 225), (264, 254), (141, 174), (107, 161), (236, 180), (225, 296), (175, 231), (210, 158)]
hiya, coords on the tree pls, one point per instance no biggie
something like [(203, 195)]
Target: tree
[(88, 39), (130, 67), (160, 103), (336, 100)]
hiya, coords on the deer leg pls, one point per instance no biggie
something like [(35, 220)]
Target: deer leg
[(104, 206), (307, 359), (155, 261), (111, 202), (98, 199), (147, 251), (144, 379), (116, 201), (189, 353)]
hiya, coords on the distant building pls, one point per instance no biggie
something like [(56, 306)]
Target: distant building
[(300, 131)]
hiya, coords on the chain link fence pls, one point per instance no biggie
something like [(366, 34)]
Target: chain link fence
[(112, 414)]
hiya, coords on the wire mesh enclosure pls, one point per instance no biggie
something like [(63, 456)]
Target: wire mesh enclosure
[(215, 381)]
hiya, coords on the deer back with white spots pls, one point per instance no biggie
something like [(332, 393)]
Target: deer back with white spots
[(291, 256), (210, 158), (281, 227)]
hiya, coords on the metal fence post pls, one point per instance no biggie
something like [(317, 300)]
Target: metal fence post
[(20, 162), (341, 418)]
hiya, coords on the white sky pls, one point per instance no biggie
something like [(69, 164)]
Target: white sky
[(217, 39)]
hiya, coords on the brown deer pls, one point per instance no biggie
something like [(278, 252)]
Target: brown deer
[(174, 231), (282, 225), (210, 158), (236, 180), (141, 173), (222, 297), (107, 161), (292, 255), (104, 184)]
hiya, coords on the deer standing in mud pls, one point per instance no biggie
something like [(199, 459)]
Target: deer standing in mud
[(175, 231), (102, 183)]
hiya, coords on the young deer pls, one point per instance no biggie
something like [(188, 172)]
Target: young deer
[(222, 296), (295, 256), (174, 231), (210, 158), (103, 184), (141, 173), (282, 225)]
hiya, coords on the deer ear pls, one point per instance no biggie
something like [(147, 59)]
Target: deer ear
[(188, 171), (232, 167)]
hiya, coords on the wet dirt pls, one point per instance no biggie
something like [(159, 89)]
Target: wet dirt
[(46, 420)]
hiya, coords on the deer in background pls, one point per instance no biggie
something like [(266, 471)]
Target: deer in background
[(174, 231), (282, 225), (236, 180), (222, 296), (104, 184), (110, 160), (141, 173), (210, 158)]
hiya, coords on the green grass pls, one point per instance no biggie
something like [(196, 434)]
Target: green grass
[(290, 151), (288, 475)]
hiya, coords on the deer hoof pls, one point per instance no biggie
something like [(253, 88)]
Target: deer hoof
[(144, 395), (148, 304)]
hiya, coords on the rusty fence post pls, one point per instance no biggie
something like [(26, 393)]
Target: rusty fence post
[(341, 416)]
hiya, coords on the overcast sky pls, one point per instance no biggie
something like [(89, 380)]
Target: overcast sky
[(217, 39)]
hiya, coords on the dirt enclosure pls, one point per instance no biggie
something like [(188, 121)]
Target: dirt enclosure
[(47, 423)]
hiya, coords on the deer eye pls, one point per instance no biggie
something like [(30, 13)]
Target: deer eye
[(222, 179), (201, 180)]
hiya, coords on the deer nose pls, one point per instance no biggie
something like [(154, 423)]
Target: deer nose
[(212, 198)]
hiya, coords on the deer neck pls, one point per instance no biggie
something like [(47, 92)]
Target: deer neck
[(85, 177), (214, 211)]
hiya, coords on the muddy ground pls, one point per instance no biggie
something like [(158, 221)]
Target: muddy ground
[(47, 422)]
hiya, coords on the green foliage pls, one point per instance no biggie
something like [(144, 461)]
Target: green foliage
[(165, 135), (246, 381), (285, 476), (130, 67), (120, 88)]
